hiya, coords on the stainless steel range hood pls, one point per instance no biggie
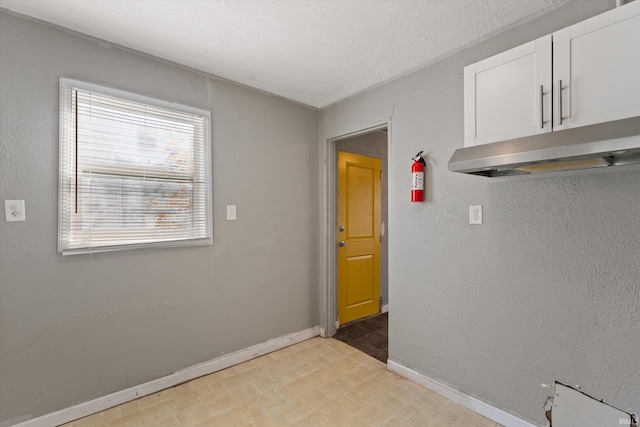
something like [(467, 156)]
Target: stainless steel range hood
[(604, 144)]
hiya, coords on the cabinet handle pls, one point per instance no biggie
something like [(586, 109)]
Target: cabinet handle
[(560, 102), (541, 107)]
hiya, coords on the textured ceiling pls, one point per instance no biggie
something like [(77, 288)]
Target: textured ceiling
[(313, 52)]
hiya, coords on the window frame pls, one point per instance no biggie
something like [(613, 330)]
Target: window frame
[(67, 142)]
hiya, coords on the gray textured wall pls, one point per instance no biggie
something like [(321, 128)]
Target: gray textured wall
[(374, 144), (78, 327), (548, 288)]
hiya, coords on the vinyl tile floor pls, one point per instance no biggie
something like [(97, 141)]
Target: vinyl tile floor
[(318, 382), (369, 335)]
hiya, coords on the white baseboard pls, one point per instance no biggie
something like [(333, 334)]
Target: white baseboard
[(385, 308), (105, 402), (497, 415)]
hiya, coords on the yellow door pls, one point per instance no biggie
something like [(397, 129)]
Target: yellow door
[(358, 236)]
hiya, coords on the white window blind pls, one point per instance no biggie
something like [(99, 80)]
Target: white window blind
[(134, 171)]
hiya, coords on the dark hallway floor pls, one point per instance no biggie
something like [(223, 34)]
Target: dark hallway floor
[(369, 335)]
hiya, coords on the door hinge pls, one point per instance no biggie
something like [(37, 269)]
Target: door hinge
[(381, 175)]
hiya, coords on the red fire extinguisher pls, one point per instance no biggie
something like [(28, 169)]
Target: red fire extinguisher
[(417, 175)]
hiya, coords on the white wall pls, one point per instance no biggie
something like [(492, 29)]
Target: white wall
[(548, 288), (78, 327)]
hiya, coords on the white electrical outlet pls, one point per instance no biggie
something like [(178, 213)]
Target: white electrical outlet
[(231, 213), (14, 210), (475, 214)]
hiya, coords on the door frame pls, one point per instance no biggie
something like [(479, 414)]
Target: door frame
[(328, 274)]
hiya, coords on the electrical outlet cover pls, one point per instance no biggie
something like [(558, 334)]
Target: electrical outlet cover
[(14, 210), (475, 214)]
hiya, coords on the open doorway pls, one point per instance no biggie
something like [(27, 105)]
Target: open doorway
[(361, 231)]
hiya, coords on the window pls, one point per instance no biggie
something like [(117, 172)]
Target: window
[(134, 171)]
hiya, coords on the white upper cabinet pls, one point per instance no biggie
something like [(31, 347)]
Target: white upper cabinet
[(587, 73), (509, 95), (598, 63)]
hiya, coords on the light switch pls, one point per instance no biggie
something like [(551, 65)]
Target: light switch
[(14, 210), (231, 213), (475, 214)]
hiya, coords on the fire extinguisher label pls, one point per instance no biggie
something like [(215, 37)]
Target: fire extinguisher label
[(418, 181)]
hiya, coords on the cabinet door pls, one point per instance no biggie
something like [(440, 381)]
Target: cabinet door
[(598, 62), (509, 95)]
